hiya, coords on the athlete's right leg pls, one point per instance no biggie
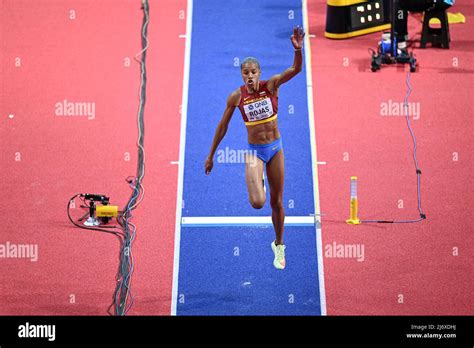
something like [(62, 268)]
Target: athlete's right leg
[(253, 177)]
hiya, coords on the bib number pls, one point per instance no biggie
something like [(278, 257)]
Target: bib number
[(259, 110)]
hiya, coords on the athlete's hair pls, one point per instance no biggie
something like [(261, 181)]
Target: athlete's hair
[(250, 60)]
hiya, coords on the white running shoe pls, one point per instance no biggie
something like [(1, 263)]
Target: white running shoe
[(279, 250)]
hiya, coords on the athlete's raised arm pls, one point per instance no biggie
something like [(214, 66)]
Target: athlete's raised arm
[(277, 80), (232, 102)]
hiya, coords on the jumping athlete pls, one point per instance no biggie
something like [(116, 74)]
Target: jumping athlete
[(257, 100)]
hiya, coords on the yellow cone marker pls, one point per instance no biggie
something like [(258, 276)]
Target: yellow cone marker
[(353, 220)]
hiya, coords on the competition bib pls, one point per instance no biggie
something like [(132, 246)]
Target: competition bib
[(259, 109)]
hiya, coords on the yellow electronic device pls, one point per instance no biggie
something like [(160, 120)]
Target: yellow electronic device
[(107, 211)]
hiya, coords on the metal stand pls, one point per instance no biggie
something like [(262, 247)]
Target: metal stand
[(91, 221)]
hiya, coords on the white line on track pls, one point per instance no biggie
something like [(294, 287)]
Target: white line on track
[(312, 132), (182, 147), (217, 221)]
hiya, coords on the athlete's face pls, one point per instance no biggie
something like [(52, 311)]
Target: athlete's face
[(250, 74)]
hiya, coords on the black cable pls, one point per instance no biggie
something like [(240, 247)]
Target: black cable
[(417, 168), (122, 295)]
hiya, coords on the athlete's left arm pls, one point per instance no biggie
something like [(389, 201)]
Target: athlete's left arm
[(276, 80)]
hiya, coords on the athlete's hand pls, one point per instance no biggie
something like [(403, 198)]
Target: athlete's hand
[(208, 165), (297, 37)]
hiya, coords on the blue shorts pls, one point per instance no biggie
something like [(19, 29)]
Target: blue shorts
[(266, 151)]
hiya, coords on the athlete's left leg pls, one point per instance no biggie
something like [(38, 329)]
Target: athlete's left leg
[(276, 178)]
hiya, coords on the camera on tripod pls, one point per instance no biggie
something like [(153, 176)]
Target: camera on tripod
[(100, 213)]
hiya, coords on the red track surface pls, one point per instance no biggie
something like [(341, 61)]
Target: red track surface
[(415, 260), (82, 60)]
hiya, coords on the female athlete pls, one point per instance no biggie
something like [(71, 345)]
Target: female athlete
[(257, 100)]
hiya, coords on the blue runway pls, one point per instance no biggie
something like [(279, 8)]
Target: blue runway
[(228, 270)]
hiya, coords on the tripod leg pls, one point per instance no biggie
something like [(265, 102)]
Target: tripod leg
[(83, 216)]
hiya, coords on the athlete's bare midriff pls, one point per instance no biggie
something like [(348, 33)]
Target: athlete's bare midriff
[(263, 133)]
